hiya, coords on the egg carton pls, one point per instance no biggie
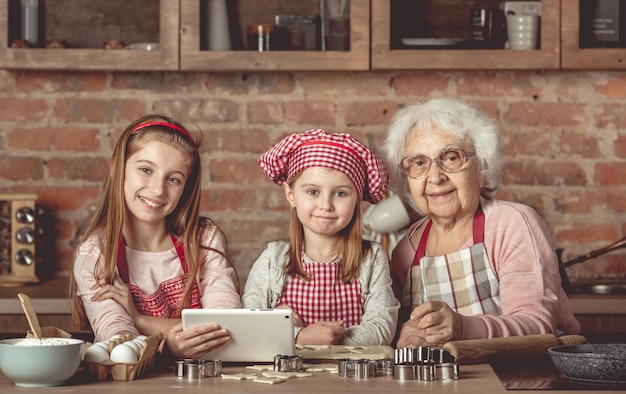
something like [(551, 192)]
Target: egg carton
[(126, 371)]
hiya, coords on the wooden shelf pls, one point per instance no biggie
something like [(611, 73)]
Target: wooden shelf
[(575, 58), (166, 58), (180, 38), (193, 58), (384, 58)]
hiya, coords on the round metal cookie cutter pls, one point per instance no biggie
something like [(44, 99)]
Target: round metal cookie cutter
[(197, 369), (357, 368), (286, 363)]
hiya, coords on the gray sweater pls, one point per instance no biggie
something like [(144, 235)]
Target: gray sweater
[(267, 279)]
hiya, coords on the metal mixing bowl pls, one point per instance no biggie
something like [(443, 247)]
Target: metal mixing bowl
[(40, 365), (591, 362)]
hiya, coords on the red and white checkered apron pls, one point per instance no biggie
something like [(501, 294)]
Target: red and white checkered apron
[(165, 300), (464, 279), (325, 297)]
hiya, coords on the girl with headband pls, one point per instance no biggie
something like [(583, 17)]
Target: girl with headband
[(337, 284), (147, 254)]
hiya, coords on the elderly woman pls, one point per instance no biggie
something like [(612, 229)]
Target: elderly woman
[(473, 266)]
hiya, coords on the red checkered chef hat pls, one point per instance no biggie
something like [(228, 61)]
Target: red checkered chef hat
[(339, 151)]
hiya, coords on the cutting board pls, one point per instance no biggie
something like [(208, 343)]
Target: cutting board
[(481, 350), (337, 352)]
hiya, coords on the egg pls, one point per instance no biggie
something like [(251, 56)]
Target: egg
[(134, 346), (96, 354), (142, 343), (123, 353)]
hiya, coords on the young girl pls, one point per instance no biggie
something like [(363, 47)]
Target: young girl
[(147, 254), (337, 284)]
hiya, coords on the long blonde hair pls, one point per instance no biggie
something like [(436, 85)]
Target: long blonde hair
[(184, 222)]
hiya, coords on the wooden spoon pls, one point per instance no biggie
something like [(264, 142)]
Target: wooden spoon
[(31, 316)]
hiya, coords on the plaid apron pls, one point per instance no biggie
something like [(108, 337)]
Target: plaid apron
[(165, 300), (464, 279), (325, 297)]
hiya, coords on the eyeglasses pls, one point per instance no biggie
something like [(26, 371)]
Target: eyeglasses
[(452, 160)]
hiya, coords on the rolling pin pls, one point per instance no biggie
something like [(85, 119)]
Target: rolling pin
[(480, 350)]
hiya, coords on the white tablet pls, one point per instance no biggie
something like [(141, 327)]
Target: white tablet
[(257, 334)]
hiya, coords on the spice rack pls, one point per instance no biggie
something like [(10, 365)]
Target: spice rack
[(18, 238)]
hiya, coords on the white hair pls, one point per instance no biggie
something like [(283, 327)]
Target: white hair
[(460, 120)]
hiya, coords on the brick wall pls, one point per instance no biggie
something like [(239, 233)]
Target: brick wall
[(564, 139)]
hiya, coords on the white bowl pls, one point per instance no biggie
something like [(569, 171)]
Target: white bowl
[(40, 364)]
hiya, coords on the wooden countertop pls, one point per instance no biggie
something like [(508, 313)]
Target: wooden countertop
[(479, 378), (51, 297)]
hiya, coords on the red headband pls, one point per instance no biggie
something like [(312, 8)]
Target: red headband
[(164, 124)]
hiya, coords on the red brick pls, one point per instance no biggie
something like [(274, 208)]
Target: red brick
[(521, 141), (100, 110), (21, 169), (265, 112), (200, 110), (7, 81), (578, 201), (235, 171), (275, 83), (62, 138), (33, 81), (341, 86), (368, 113), (309, 112), (620, 146), (216, 199), (234, 140), (611, 86), (419, 84), (610, 174), (588, 233), (261, 230), (17, 109), (150, 83), (534, 172), (580, 145), (65, 198), (611, 114), (79, 168), (615, 200), (544, 114)]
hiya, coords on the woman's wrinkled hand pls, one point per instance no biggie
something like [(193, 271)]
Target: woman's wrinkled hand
[(197, 341), (411, 336), (118, 291), (438, 322), (322, 333)]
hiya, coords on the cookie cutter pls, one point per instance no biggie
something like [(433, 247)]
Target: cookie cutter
[(357, 368), (384, 366), (424, 363), (286, 363), (197, 369)]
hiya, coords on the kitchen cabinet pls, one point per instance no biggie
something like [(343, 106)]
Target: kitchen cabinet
[(385, 58), (182, 28), (165, 58), (575, 58), (194, 57)]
